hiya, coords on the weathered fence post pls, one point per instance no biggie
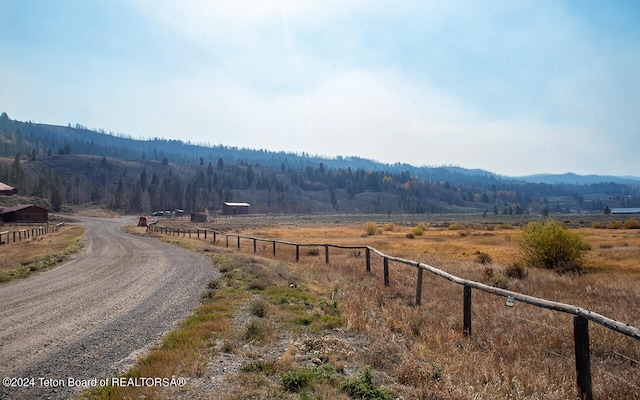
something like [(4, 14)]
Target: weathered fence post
[(227, 237), (583, 358), (326, 254), (274, 248), (238, 242), (368, 257), (419, 287), (297, 252), (214, 237), (386, 271), (254, 246), (467, 311)]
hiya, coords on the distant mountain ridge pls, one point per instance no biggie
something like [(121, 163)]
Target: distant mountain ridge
[(58, 165), (88, 141), (571, 178)]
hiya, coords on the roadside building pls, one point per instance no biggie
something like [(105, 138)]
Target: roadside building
[(626, 210), (7, 190), (25, 213), (235, 208)]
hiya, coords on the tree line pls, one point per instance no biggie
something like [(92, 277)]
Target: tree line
[(67, 165)]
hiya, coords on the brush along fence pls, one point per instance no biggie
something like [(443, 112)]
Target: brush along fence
[(581, 316), (19, 235)]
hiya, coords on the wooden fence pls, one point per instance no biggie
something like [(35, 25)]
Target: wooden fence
[(581, 316), (19, 235)]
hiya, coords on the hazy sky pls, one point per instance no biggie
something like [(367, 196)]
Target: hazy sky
[(515, 87)]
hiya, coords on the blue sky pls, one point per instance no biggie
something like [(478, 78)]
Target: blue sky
[(513, 87)]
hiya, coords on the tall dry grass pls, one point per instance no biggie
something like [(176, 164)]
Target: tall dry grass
[(521, 352)]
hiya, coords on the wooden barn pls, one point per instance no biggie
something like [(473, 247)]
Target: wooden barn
[(235, 208), (25, 213), (7, 190)]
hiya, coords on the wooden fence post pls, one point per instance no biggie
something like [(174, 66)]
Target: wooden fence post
[(583, 358), (386, 271), (227, 237), (419, 287), (368, 257), (274, 248), (467, 311), (326, 254), (297, 252), (254, 246), (238, 242)]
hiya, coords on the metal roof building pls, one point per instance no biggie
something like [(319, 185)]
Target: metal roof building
[(7, 190), (235, 208), (626, 210)]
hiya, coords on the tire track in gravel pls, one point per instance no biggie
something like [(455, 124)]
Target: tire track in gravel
[(90, 317)]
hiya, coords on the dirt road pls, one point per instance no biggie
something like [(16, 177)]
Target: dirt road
[(92, 316)]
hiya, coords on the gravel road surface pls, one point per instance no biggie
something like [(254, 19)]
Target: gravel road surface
[(91, 317)]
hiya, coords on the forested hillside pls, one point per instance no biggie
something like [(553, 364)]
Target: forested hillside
[(60, 166)]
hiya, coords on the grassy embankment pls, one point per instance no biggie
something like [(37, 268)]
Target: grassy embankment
[(21, 259), (273, 328)]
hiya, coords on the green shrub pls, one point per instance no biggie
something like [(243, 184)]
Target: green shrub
[(255, 331), (551, 245), (266, 367), (362, 387), (296, 380), (258, 308)]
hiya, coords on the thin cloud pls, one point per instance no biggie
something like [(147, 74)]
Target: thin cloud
[(514, 88)]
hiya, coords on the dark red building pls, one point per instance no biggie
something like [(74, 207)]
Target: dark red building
[(25, 213)]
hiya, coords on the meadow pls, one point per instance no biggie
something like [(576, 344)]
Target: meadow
[(308, 329)]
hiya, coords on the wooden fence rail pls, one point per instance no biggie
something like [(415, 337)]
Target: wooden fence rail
[(581, 316), (19, 235)]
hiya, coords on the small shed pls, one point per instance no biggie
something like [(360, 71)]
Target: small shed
[(7, 190), (199, 217), (25, 213), (235, 208)]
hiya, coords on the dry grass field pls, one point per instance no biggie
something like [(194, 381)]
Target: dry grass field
[(23, 258), (276, 328)]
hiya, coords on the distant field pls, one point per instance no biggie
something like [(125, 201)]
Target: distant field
[(453, 236)]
